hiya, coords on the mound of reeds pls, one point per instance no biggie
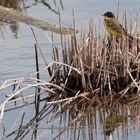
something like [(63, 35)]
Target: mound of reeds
[(96, 64)]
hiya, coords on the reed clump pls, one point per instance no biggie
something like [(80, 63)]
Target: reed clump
[(98, 64)]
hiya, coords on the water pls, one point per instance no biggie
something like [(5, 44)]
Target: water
[(17, 54)]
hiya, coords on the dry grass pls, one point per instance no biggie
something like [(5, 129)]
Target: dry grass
[(95, 62), (91, 79)]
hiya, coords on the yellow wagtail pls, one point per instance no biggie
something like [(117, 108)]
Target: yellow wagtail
[(113, 26)]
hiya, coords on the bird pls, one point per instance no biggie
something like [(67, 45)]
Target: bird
[(113, 26)]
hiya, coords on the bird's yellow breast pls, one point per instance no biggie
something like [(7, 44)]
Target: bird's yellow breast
[(112, 26)]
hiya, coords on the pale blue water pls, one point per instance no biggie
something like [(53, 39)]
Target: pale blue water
[(17, 55)]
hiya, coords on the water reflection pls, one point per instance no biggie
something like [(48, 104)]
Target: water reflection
[(78, 119), (16, 4), (21, 5)]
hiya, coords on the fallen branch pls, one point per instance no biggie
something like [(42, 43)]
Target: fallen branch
[(13, 15)]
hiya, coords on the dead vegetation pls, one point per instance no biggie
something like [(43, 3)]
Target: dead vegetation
[(91, 79)]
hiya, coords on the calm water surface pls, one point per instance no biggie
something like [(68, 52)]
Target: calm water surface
[(17, 54)]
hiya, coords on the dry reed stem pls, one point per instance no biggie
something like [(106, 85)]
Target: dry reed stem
[(134, 81), (19, 83), (2, 106)]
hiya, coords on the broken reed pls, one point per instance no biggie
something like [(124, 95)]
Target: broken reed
[(106, 68)]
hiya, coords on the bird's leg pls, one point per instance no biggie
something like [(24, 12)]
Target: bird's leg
[(109, 38)]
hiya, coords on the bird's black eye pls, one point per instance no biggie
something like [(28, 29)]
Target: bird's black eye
[(109, 14)]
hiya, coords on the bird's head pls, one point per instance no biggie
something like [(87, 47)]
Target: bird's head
[(109, 14)]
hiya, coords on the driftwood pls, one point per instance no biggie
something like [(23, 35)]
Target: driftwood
[(13, 15)]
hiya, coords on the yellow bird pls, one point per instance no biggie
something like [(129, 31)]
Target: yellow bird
[(113, 26)]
